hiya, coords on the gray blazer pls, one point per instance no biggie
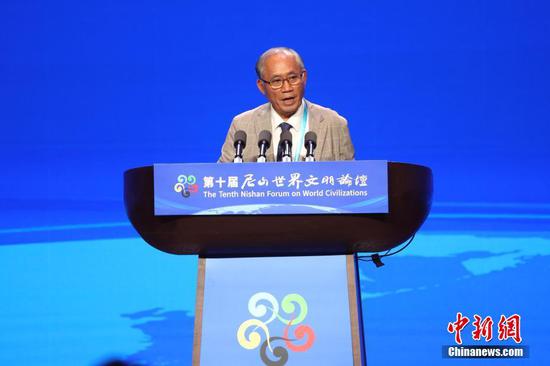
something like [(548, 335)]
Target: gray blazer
[(333, 139)]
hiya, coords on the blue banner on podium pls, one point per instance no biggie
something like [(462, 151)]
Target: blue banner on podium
[(271, 188)]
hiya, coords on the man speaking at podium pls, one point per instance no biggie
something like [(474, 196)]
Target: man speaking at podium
[(282, 79)]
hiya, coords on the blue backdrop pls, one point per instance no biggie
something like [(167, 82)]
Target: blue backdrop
[(89, 89)]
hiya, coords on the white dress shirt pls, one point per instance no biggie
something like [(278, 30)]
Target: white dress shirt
[(295, 121)]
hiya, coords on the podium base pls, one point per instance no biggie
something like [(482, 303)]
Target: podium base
[(278, 311)]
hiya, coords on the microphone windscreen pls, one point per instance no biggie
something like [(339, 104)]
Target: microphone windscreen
[(311, 137), (240, 136), (265, 135), (286, 136)]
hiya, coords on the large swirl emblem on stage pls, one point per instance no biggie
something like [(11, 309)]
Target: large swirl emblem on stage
[(266, 313)]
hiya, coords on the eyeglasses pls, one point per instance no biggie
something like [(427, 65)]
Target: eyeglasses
[(277, 83)]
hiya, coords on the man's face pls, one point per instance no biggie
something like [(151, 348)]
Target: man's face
[(287, 99)]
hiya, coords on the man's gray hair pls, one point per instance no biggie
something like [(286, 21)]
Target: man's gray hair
[(260, 64)]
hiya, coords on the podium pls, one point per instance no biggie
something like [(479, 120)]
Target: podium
[(280, 289)]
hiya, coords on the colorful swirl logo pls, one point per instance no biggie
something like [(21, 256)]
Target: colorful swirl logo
[(186, 185), (265, 309)]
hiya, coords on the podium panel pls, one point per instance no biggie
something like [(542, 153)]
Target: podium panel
[(409, 199), (278, 311)]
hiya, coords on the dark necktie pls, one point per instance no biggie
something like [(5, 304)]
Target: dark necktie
[(284, 127)]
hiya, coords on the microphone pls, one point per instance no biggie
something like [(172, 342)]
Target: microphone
[(240, 144), (310, 144), (264, 142), (286, 144)]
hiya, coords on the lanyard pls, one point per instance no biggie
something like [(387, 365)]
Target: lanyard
[(298, 149)]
